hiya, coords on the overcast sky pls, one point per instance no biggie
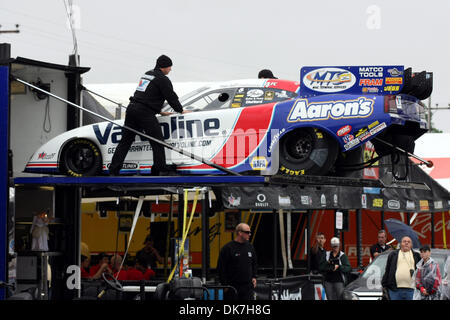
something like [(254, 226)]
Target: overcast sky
[(211, 40)]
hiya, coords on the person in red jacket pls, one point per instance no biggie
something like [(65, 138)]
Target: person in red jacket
[(140, 271)]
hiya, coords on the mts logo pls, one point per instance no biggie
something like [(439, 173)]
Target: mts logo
[(329, 77), (175, 128)]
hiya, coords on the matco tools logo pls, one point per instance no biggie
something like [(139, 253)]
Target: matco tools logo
[(329, 80), (304, 111)]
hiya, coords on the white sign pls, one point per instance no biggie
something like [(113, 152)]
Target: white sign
[(339, 219)]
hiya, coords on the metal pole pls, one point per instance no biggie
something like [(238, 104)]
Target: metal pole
[(205, 237), (382, 220), (181, 151), (275, 242), (432, 229), (358, 238), (429, 113), (308, 239)]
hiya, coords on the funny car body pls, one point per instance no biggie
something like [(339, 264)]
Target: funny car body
[(262, 126)]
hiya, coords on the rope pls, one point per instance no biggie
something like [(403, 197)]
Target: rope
[(283, 244), (135, 219), (185, 231)]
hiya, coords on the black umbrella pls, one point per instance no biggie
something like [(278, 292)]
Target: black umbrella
[(398, 230)]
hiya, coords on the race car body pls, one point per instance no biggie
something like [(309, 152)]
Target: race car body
[(263, 126)]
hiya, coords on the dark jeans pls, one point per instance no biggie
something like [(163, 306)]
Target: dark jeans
[(401, 294), (334, 290), (144, 120)]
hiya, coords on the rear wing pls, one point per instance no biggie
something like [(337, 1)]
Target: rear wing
[(361, 80)]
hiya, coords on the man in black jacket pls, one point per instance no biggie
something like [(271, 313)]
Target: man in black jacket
[(154, 88), (237, 265), (400, 267)]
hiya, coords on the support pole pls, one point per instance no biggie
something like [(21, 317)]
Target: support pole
[(382, 220), (275, 242), (4, 182), (308, 238), (205, 236), (444, 230), (358, 238), (432, 229), (283, 241)]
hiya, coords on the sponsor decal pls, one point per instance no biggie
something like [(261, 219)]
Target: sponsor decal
[(390, 80), (144, 82), (372, 82), (175, 128), (360, 132), (373, 124), (305, 200), (398, 101), (284, 201), (269, 95), (234, 201), (261, 198), (323, 200), (329, 80), (255, 96), (348, 138), (335, 200), (391, 88), (394, 204), (378, 128), (371, 190), (45, 156), (276, 138), (344, 130), (438, 204), (371, 72), (394, 72), (370, 90), (281, 94), (424, 206), (255, 93), (346, 109), (351, 143), (364, 201), (377, 203), (259, 163), (270, 84), (129, 165), (410, 205), (235, 105)]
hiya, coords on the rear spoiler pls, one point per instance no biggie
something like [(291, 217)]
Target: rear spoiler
[(364, 80)]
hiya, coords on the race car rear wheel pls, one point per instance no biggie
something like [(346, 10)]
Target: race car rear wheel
[(307, 151), (80, 158)]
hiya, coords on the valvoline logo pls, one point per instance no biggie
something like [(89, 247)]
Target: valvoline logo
[(329, 80)]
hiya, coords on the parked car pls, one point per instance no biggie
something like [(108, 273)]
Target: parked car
[(368, 285), (264, 126)]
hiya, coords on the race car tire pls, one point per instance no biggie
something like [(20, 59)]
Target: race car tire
[(307, 151), (81, 157)]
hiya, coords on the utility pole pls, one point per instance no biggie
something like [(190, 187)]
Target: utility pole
[(429, 113), (10, 31)]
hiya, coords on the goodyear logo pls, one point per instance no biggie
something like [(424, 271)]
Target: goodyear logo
[(259, 163), (304, 111)]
